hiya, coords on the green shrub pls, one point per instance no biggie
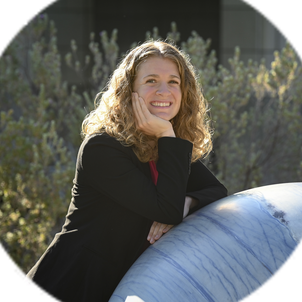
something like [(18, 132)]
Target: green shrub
[(258, 122), (256, 113), (35, 174), (36, 167)]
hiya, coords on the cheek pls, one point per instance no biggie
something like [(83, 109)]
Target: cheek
[(178, 96), (145, 92)]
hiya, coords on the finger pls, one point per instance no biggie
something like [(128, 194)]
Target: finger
[(167, 228), (150, 235), (154, 231), (141, 112), (158, 232), (144, 110), (135, 104)]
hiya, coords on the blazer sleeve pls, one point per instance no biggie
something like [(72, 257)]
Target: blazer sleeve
[(109, 168), (204, 186)]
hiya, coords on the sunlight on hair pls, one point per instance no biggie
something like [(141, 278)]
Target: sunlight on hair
[(114, 114)]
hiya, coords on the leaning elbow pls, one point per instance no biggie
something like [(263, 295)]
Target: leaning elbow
[(224, 192)]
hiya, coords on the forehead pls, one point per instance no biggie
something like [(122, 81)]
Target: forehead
[(158, 65)]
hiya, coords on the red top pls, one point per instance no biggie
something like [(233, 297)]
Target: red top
[(154, 173)]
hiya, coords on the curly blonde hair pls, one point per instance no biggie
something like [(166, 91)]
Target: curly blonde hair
[(114, 114)]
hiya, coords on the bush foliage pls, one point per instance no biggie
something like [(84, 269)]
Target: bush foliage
[(256, 113)]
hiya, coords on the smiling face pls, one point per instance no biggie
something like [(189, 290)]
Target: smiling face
[(158, 83)]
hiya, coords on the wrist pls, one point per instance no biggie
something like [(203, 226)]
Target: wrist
[(167, 133), (191, 202)]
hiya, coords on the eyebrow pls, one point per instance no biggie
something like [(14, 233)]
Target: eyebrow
[(157, 76)]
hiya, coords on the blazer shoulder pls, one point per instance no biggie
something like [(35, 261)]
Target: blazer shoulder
[(103, 139), (103, 144)]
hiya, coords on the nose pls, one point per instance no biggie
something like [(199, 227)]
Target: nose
[(163, 90)]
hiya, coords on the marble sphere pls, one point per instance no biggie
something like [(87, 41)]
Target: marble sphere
[(222, 252)]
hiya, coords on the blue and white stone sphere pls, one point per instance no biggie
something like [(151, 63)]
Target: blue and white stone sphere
[(222, 252)]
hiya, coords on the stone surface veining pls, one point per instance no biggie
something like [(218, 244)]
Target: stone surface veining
[(223, 252)]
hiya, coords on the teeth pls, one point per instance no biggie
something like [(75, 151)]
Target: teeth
[(157, 104)]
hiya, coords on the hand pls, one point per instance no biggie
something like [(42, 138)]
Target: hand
[(147, 122), (157, 230)]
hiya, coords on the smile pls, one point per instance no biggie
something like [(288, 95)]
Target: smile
[(161, 104)]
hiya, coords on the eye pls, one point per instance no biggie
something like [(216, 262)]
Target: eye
[(174, 82), (152, 81)]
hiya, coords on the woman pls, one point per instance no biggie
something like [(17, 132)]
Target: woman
[(137, 168)]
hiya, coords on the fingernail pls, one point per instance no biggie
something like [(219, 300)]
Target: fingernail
[(156, 236)]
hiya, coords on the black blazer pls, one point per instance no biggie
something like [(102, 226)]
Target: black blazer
[(114, 203)]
